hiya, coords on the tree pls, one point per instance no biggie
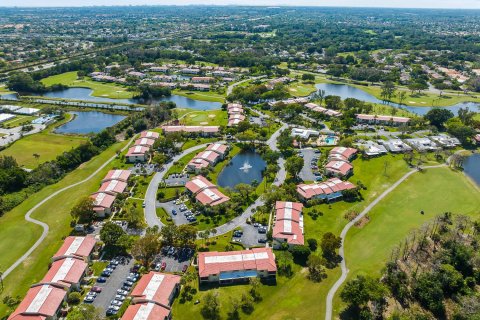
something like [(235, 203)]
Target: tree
[(429, 293), (402, 95), (74, 298), (211, 306), (85, 312), (316, 268), (187, 234), (388, 90), (361, 290), (329, 244), (146, 248), (111, 233), (308, 77), (284, 263), (169, 234), (437, 117), (300, 254), (83, 210), (294, 165), (134, 217)]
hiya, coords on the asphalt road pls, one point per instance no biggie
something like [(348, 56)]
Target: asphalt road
[(306, 174), (151, 194), (11, 135)]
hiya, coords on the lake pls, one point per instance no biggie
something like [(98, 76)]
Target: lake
[(86, 94), (471, 167), (89, 122), (245, 167), (348, 91)]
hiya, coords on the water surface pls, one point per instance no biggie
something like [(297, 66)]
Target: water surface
[(471, 166), (245, 167), (89, 122)]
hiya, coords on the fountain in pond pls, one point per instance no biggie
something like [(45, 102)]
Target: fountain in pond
[(246, 166)]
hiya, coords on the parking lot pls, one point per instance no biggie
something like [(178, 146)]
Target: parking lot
[(177, 179), (177, 211), (173, 259), (309, 164), (143, 169), (251, 236), (113, 283)]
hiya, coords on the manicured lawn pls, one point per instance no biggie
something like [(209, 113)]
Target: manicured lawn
[(300, 89), (170, 192), (180, 164), (203, 118), (195, 142), (100, 89), (435, 191), (16, 235), (47, 145), (200, 95)]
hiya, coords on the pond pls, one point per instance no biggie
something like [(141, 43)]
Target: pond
[(86, 94), (348, 91), (245, 167), (471, 167), (89, 122)]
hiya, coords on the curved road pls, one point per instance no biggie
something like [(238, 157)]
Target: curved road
[(341, 252), (43, 224), (151, 194)]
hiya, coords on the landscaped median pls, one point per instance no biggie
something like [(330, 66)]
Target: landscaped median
[(17, 235)]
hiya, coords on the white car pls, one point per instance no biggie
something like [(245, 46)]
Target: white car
[(119, 297), (116, 303), (122, 292)]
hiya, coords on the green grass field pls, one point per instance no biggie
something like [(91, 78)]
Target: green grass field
[(18, 121), (300, 89), (47, 145), (435, 191), (191, 117), (100, 89), (200, 95), (16, 235)]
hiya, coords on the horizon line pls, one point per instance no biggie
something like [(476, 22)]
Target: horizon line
[(235, 5)]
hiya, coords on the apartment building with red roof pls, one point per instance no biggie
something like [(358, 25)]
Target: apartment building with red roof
[(42, 302), (147, 311), (338, 168), (76, 247), (137, 154), (288, 224), (328, 190), (67, 272), (103, 203), (205, 131), (236, 266), (150, 135), (145, 142), (122, 175), (113, 186), (205, 192)]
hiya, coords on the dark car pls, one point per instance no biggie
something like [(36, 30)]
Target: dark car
[(101, 279), (185, 267), (106, 274)]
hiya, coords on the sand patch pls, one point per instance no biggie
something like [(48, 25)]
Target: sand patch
[(411, 102), (423, 102), (192, 115), (211, 115), (202, 123)]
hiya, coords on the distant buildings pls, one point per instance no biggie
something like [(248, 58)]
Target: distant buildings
[(236, 266), (328, 112), (304, 133), (236, 114), (395, 145), (205, 131), (371, 148), (381, 119), (422, 144), (339, 161)]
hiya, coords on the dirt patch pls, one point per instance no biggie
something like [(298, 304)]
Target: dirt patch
[(192, 115), (211, 115), (202, 123), (362, 222)]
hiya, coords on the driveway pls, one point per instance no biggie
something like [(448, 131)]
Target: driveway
[(251, 236), (169, 206), (114, 282), (307, 173), (13, 134), (151, 194)]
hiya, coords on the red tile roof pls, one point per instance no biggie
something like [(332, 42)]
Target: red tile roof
[(219, 148), (150, 134), (289, 222), (41, 302), (137, 150), (339, 167), (212, 263), (330, 186), (115, 186), (80, 247), (66, 272), (103, 199), (146, 311), (122, 175), (205, 191), (344, 152), (207, 129), (146, 142), (155, 287)]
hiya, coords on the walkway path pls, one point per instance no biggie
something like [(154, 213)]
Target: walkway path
[(151, 194), (343, 264), (45, 226)]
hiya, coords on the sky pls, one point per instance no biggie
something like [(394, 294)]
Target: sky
[(453, 4)]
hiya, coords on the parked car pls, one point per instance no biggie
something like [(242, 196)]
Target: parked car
[(185, 267), (122, 292), (262, 240), (128, 283), (96, 289), (119, 297), (116, 303), (101, 279), (164, 265), (157, 267), (111, 311), (88, 299), (106, 273)]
